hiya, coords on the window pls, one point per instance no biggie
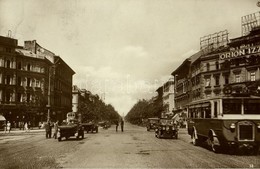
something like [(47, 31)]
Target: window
[(226, 80), (29, 82), (19, 66), (19, 81), (8, 64), (19, 97), (28, 99), (217, 65), (217, 80), (8, 50), (252, 76), (37, 83), (208, 67), (1, 62), (1, 95), (28, 67), (215, 109), (8, 80), (207, 82), (232, 106), (237, 80), (1, 76), (251, 106)]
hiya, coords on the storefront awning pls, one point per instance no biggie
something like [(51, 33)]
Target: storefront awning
[(2, 118)]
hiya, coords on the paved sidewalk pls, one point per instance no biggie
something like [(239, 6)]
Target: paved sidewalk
[(17, 130)]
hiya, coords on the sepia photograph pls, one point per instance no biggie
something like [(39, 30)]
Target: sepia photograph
[(129, 84)]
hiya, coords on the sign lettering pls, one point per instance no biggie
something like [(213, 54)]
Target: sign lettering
[(240, 52)]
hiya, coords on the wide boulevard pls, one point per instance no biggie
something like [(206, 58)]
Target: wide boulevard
[(133, 148)]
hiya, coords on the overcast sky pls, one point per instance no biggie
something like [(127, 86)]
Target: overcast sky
[(122, 49)]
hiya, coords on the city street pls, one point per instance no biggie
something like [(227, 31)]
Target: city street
[(133, 148)]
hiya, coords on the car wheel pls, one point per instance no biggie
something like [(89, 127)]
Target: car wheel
[(59, 139), (215, 148), (195, 141)]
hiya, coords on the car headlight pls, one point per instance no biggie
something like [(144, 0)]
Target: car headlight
[(232, 127), (258, 126)]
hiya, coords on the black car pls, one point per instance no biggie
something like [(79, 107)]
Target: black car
[(68, 130), (90, 127), (152, 123), (166, 129)]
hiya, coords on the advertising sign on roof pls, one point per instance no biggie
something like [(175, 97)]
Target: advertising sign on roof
[(239, 52)]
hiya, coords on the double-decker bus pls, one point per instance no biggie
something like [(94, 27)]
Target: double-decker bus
[(226, 122)]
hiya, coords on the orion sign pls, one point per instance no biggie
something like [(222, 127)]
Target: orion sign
[(240, 52)]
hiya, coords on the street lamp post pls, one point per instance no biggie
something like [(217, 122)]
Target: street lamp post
[(49, 95), (49, 88)]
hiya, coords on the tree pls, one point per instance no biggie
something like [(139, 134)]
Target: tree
[(144, 109), (92, 107)]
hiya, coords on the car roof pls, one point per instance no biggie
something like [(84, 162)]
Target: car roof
[(153, 118)]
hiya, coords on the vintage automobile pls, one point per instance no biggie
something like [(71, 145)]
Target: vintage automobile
[(104, 124), (90, 127), (166, 129), (71, 129), (152, 123)]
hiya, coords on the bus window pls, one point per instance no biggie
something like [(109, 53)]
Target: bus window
[(251, 106), (232, 106)]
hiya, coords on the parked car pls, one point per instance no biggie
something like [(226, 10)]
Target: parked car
[(166, 129), (90, 127), (104, 124), (68, 130), (152, 123)]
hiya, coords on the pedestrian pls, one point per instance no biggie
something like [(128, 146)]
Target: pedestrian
[(117, 123), (8, 126), (26, 127), (55, 129), (122, 125), (4, 125), (48, 130)]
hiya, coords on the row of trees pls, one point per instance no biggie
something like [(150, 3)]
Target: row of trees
[(91, 107), (144, 109)]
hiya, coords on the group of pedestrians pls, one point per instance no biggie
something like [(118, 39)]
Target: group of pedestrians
[(48, 129), (7, 126), (121, 124)]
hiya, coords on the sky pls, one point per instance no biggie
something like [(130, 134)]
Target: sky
[(122, 50)]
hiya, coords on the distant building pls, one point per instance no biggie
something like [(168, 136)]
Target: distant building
[(168, 97)]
